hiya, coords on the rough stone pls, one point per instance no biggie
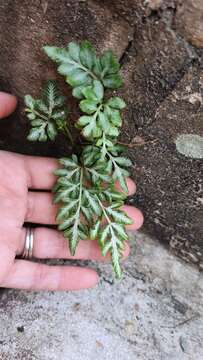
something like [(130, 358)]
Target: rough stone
[(189, 21), (190, 145), (155, 62), (179, 181), (163, 89), (154, 313), (25, 28)]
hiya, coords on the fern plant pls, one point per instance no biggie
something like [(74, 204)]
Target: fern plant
[(89, 204)]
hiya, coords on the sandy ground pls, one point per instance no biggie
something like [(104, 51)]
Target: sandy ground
[(154, 313)]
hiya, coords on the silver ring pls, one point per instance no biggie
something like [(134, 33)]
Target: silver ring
[(28, 247)]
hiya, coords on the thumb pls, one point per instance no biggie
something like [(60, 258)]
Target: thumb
[(7, 104)]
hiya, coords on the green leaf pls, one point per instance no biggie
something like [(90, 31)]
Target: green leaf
[(29, 101), (78, 91), (80, 65), (98, 89), (46, 114), (75, 62), (74, 51), (51, 131), (77, 77), (116, 263), (97, 69), (37, 122), (113, 81), (66, 68), (113, 131), (34, 134), (64, 181), (62, 194), (87, 54), (116, 103), (103, 121), (83, 121), (94, 92), (93, 202), (40, 105), (73, 237), (109, 63), (119, 216), (70, 194), (31, 116), (69, 162), (94, 230), (89, 94), (61, 172), (106, 248), (88, 131), (120, 230), (120, 175), (56, 54), (104, 234), (67, 223), (106, 122), (123, 161), (115, 118), (88, 106), (65, 210), (98, 173), (117, 168), (49, 95), (87, 212)]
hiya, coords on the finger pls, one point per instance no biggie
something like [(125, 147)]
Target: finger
[(50, 244), (34, 276), (6, 259), (40, 208), (9, 237), (7, 104), (40, 172), (136, 216)]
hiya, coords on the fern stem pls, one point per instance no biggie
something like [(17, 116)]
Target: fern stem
[(40, 115), (81, 188), (103, 150), (85, 69), (89, 72), (103, 210), (68, 133), (72, 246), (112, 159), (80, 196)]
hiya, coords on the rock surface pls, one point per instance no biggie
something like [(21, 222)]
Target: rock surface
[(163, 89), (154, 313), (189, 21), (172, 180)]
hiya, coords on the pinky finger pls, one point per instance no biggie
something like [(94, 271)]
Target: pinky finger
[(28, 275)]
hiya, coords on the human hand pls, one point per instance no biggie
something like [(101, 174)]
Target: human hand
[(25, 196)]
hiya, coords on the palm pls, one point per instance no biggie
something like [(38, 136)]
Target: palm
[(21, 178)]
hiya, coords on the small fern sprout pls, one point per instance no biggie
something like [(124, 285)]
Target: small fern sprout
[(48, 115)]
